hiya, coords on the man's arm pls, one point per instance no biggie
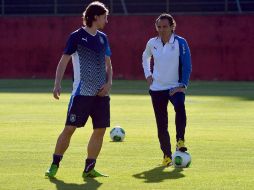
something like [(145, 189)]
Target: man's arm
[(106, 87), (146, 63), (186, 66), (61, 67), (109, 70), (186, 69)]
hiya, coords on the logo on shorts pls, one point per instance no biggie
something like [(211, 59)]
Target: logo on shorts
[(72, 118)]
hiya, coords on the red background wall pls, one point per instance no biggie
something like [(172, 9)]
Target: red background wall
[(221, 46)]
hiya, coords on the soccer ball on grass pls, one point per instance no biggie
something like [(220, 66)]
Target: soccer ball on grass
[(181, 159), (117, 134)]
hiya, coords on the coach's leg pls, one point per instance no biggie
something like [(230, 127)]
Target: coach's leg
[(160, 103), (63, 140), (180, 114)]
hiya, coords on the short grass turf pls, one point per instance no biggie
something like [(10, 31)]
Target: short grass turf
[(219, 136)]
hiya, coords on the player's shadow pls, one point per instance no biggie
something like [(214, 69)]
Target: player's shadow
[(90, 184), (159, 174)]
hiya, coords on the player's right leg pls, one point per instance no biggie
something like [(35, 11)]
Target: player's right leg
[(62, 144), (77, 116)]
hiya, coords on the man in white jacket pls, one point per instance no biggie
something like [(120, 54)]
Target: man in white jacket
[(168, 80)]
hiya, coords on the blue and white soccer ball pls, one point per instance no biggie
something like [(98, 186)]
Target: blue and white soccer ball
[(181, 159), (117, 134)]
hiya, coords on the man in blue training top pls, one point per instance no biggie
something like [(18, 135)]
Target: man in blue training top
[(168, 81), (90, 53)]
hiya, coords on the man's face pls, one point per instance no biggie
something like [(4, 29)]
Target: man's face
[(101, 21), (163, 27)]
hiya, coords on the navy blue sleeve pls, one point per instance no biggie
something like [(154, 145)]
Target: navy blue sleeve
[(71, 45)]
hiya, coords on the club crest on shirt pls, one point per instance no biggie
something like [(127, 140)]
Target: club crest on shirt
[(101, 40), (72, 118)]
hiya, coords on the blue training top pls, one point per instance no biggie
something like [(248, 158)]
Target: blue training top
[(88, 58)]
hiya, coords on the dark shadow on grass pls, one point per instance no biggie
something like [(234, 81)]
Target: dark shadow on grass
[(159, 174), (241, 89), (89, 184)]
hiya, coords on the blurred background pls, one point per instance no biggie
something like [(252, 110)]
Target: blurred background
[(33, 34)]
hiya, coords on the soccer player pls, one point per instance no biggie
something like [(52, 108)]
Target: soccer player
[(168, 81), (90, 52)]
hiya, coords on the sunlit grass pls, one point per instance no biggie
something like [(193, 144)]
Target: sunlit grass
[(219, 136)]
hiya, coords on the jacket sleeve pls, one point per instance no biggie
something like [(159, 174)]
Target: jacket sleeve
[(146, 60), (186, 63)]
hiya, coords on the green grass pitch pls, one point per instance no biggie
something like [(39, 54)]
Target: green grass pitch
[(220, 137)]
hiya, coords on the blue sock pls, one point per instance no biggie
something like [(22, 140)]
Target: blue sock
[(90, 164), (57, 159)]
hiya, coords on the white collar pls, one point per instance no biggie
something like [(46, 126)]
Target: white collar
[(171, 39), (89, 32)]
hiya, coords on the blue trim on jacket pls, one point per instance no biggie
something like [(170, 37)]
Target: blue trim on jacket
[(184, 61)]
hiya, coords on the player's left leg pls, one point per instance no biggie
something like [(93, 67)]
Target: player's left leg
[(178, 100), (101, 120), (95, 143), (93, 150)]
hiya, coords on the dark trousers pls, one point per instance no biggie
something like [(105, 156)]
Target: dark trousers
[(160, 101)]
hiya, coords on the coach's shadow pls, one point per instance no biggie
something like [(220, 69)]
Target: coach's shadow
[(159, 174), (90, 184)]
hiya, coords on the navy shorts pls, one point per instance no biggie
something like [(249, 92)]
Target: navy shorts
[(81, 107)]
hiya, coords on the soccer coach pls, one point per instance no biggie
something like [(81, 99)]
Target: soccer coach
[(168, 81)]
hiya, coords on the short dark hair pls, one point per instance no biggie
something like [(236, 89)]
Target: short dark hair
[(95, 8), (170, 19)]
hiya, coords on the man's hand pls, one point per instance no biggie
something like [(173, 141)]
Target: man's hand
[(104, 90), (57, 91), (175, 90), (59, 74), (149, 80)]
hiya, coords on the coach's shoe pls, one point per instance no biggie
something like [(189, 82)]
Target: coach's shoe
[(180, 146), (51, 172), (167, 161), (93, 173)]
